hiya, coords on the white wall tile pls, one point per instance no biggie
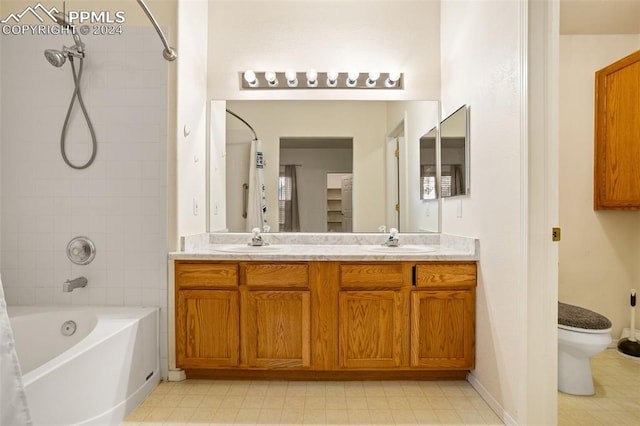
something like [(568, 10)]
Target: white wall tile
[(119, 201)]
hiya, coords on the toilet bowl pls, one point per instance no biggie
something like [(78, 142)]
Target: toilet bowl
[(581, 334)]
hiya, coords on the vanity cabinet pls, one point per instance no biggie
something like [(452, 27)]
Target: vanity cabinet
[(242, 315), (207, 315), (443, 316), (329, 319), (617, 129)]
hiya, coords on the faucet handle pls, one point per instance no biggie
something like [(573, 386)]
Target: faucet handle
[(393, 232), (256, 232)]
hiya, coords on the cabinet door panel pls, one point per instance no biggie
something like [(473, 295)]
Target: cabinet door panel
[(617, 129), (442, 329), (370, 329), (207, 328), (276, 328)]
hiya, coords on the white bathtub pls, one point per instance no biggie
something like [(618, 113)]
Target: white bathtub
[(97, 375)]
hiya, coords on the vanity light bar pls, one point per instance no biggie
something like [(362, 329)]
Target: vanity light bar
[(269, 80)]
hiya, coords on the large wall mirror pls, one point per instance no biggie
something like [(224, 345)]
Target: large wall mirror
[(345, 166)]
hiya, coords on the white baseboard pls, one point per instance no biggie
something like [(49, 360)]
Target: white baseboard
[(177, 375), (491, 401)]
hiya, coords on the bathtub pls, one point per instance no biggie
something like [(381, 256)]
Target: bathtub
[(85, 365)]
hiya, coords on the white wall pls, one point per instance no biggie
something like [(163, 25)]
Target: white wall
[(345, 35), (600, 249), (482, 57), (191, 137), (119, 202)]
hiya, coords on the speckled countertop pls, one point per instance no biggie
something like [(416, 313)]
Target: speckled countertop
[(328, 247)]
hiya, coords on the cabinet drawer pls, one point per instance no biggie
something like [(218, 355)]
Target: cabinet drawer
[(275, 275), (449, 275), (387, 275), (206, 275)]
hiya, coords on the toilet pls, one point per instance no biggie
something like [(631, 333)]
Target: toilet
[(581, 334)]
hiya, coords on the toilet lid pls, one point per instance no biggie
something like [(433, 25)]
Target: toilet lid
[(575, 316)]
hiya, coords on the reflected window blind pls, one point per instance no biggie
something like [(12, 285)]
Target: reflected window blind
[(284, 195)]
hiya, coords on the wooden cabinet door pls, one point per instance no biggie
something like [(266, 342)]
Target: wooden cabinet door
[(207, 328), (617, 135), (275, 328), (443, 329), (370, 329)]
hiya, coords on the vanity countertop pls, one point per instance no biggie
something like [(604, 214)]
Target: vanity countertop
[(328, 247)]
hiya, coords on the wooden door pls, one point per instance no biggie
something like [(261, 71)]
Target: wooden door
[(275, 328), (617, 135), (370, 329), (443, 329), (207, 328)]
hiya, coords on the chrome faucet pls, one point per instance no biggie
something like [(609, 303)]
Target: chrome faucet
[(256, 239), (71, 285), (392, 241)]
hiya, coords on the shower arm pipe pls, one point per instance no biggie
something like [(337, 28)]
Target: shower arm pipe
[(169, 53), (255, 137)]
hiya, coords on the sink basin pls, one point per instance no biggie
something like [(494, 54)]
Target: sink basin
[(248, 249), (399, 250)]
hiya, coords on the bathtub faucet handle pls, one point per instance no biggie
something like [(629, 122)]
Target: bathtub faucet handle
[(71, 285)]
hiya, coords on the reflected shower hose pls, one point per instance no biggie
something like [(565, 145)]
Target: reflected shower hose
[(77, 95)]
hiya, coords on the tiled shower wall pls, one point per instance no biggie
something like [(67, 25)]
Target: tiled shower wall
[(119, 201)]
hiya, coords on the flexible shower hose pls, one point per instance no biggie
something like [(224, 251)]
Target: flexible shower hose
[(77, 94)]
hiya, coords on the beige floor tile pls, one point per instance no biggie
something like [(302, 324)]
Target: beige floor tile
[(405, 417), (418, 403), (138, 414), (448, 417), (247, 416), (337, 417), (230, 401), (471, 417), (426, 417), (226, 415), (270, 416), (357, 403), (211, 401), (191, 401), (461, 403), (203, 415), (378, 402), (180, 415), (253, 401), (398, 403), (171, 400), (381, 417), (273, 401), (359, 416), (314, 417), (315, 403), (159, 414), (441, 403), (294, 402), (292, 416), (336, 402)]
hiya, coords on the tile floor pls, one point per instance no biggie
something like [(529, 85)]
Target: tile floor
[(212, 403), (617, 398), (200, 402)]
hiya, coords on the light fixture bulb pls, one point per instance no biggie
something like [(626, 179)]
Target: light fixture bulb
[(312, 78), (250, 78), (292, 78), (271, 78), (352, 78), (392, 79), (373, 78), (332, 79)]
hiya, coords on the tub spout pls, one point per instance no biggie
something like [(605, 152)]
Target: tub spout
[(71, 285)]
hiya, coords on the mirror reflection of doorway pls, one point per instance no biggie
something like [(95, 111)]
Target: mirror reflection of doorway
[(313, 158), (339, 189)]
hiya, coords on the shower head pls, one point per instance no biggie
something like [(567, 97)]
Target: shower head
[(61, 19), (55, 57)]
